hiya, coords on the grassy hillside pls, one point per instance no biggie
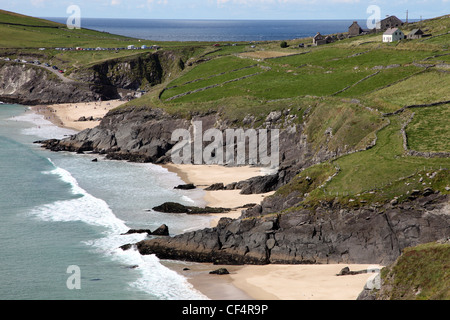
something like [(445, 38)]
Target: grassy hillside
[(347, 86), (340, 92), (350, 96), (421, 273)]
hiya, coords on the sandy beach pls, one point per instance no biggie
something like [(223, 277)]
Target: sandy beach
[(67, 114), (269, 282), (202, 176), (276, 282)]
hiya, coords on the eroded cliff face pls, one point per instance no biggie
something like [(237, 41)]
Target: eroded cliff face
[(144, 135), (30, 85), (137, 72), (327, 234), (274, 231), (112, 79)]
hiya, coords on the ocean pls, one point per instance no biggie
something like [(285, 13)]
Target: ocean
[(215, 30), (60, 210)]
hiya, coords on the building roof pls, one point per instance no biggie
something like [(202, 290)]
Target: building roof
[(392, 18), (318, 36), (416, 31), (391, 31)]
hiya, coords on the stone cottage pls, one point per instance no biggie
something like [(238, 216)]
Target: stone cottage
[(354, 29)]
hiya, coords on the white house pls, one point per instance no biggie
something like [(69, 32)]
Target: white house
[(393, 34)]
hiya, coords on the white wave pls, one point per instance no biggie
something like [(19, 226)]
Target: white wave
[(42, 128), (155, 278)]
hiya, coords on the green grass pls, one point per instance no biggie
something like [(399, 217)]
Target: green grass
[(423, 88), (380, 80), (308, 180), (309, 81), (212, 68), (420, 273), (430, 129), (381, 165)]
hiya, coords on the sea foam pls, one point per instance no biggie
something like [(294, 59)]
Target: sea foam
[(154, 278), (42, 127)]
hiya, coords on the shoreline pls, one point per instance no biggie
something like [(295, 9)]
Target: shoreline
[(248, 282), (200, 176), (67, 115)]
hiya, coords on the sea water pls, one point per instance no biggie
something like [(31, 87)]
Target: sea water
[(215, 30), (62, 209)]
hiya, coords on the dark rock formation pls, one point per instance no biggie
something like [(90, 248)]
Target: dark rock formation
[(173, 207), (326, 234), (132, 231), (188, 186), (215, 187), (346, 271), (129, 72), (161, 231), (32, 85), (220, 271)]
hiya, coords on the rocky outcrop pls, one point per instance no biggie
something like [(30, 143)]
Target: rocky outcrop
[(138, 135), (144, 135), (173, 207), (133, 73), (163, 230), (31, 85), (326, 234)]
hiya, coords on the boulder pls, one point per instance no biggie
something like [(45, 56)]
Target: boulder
[(187, 186), (173, 207), (215, 187), (220, 271), (133, 231), (161, 231)]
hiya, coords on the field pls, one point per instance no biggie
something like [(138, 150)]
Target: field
[(340, 92)]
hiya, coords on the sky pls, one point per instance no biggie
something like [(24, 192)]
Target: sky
[(231, 9)]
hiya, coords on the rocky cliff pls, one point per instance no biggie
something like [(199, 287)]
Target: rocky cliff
[(277, 230), (31, 85), (140, 71), (144, 135), (326, 234)]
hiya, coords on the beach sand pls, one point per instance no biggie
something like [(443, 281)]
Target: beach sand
[(275, 282), (67, 114), (202, 176), (268, 282)]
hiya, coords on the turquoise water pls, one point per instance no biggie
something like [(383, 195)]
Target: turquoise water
[(62, 209)]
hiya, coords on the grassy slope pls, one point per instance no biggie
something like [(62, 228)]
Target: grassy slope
[(421, 273), (320, 86), (397, 76), (344, 86)]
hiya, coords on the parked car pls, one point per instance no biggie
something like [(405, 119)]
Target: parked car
[(55, 68), (47, 65)]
